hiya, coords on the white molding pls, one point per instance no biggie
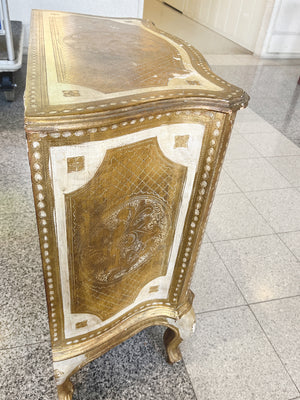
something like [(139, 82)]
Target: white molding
[(270, 37)]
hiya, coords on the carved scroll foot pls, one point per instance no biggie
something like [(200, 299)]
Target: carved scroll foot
[(65, 391), (172, 341), (62, 372), (173, 337)]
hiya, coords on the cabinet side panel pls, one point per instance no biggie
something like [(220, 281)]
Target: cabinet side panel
[(121, 226)]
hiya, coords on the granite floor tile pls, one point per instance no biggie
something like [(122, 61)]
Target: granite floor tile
[(23, 311), (263, 267), (287, 123), (27, 373), (205, 238), (247, 115), (16, 199), (136, 369), (17, 227), (230, 358), (281, 108), (292, 241), (232, 217), (14, 153), (255, 127), (240, 148), (226, 184), (14, 137), (19, 245), (289, 167), (280, 208), (255, 174), (272, 144), (280, 320), (14, 158), (279, 81), (18, 178), (212, 284), (291, 129)]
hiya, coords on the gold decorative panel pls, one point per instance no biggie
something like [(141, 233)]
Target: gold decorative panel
[(121, 226), (75, 164)]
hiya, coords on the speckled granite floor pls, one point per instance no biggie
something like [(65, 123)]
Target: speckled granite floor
[(274, 92), (246, 346)]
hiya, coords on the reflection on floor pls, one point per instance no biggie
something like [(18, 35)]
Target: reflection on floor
[(247, 292), (272, 84), (172, 21), (273, 90)]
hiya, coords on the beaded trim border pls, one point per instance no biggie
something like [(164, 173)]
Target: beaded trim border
[(41, 206), (196, 58), (204, 183)]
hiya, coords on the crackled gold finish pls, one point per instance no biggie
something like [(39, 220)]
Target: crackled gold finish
[(120, 243), (127, 129)]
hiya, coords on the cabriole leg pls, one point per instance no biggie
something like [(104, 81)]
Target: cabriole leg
[(65, 391), (183, 328), (62, 372)]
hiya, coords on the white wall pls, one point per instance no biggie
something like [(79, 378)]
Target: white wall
[(282, 38), (20, 10), (238, 20)]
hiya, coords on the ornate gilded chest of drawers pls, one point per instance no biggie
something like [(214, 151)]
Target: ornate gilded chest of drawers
[(127, 129)]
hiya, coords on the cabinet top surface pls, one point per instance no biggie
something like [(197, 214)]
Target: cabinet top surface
[(81, 64)]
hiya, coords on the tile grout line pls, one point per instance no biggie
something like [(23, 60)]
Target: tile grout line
[(284, 156), (273, 127), (272, 234), (229, 272), (277, 299), (255, 236), (288, 246), (190, 380), (268, 190), (249, 307), (266, 159), (252, 206), (294, 186), (269, 133), (259, 190), (246, 305), (259, 213), (221, 309), (265, 120), (26, 345), (275, 233), (274, 348)]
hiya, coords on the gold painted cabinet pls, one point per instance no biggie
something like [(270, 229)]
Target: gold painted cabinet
[(127, 128)]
